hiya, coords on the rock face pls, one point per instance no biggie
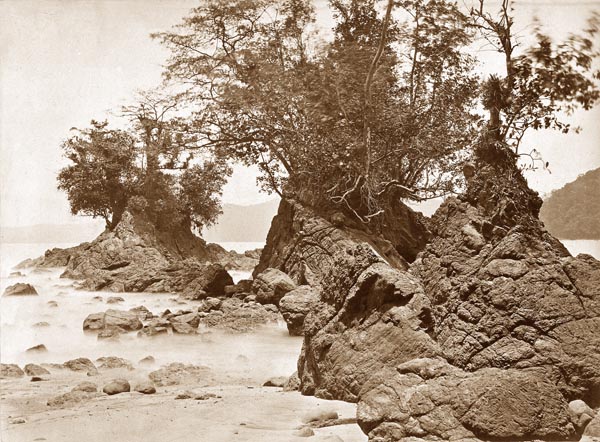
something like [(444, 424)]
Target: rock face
[(20, 289), (303, 245), (295, 305), (491, 333)]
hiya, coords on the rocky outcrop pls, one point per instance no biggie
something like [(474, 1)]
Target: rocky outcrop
[(135, 256), (491, 333)]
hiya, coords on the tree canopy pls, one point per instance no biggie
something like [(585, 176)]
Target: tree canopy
[(154, 167), (387, 107)]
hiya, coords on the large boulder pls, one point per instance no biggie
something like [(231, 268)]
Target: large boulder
[(271, 285), (295, 305), (20, 289)]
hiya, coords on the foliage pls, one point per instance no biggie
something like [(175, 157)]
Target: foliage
[(543, 83), (573, 212), (155, 167), (269, 93), (103, 173)]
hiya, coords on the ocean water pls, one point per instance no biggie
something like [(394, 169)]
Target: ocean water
[(241, 355)]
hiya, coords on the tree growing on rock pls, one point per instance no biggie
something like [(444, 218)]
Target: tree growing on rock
[(155, 168), (381, 111)]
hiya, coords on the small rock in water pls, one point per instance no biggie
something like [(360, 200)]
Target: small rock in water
[(41, 324), (117, 386), (183, 328), (15, 274), (110, 362), (17, 420), (35, 370), (147, 360), (319, 415), (86, 386), (98, 298), (52, 304), (37, 379), (279, 381), (40, 348), (114, 300), (81, 364), (112, 334), (10, 371), (20, 289), (145, 387)]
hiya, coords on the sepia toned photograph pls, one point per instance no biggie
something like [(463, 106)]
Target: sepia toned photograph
[(299, 220)]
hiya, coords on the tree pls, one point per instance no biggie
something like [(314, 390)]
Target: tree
[(103, 173), (349, 121), (155, 167), (543, 83)]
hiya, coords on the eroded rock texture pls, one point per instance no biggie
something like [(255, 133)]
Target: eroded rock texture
[(136, 257), (492, 333)]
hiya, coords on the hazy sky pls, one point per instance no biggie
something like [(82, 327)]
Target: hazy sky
[(64, 62)]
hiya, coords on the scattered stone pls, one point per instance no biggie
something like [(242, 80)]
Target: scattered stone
[(20, 289), (210, 304), (145, 387), (94, 321), (142, 312), (81, 364), (52, 304), (148, 360), (184, 395), (150, 330), (319, 416), (183, 328), (112, 362), (581, 413), (271, 285), (112, 334), (17, 420), (304, 432), (279, 381), (40, 348), (178, 373), (114, 300), (292, 383), (206, 396), (11, 371), (70, 399), (116, 386), (191, 319), (35, 370), (86, 386), (128, 321)]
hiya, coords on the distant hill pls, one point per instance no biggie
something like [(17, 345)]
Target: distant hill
[(51, 233), (243, 223), (573, 212)]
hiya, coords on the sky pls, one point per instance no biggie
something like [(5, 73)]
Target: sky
[(64, 62)]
